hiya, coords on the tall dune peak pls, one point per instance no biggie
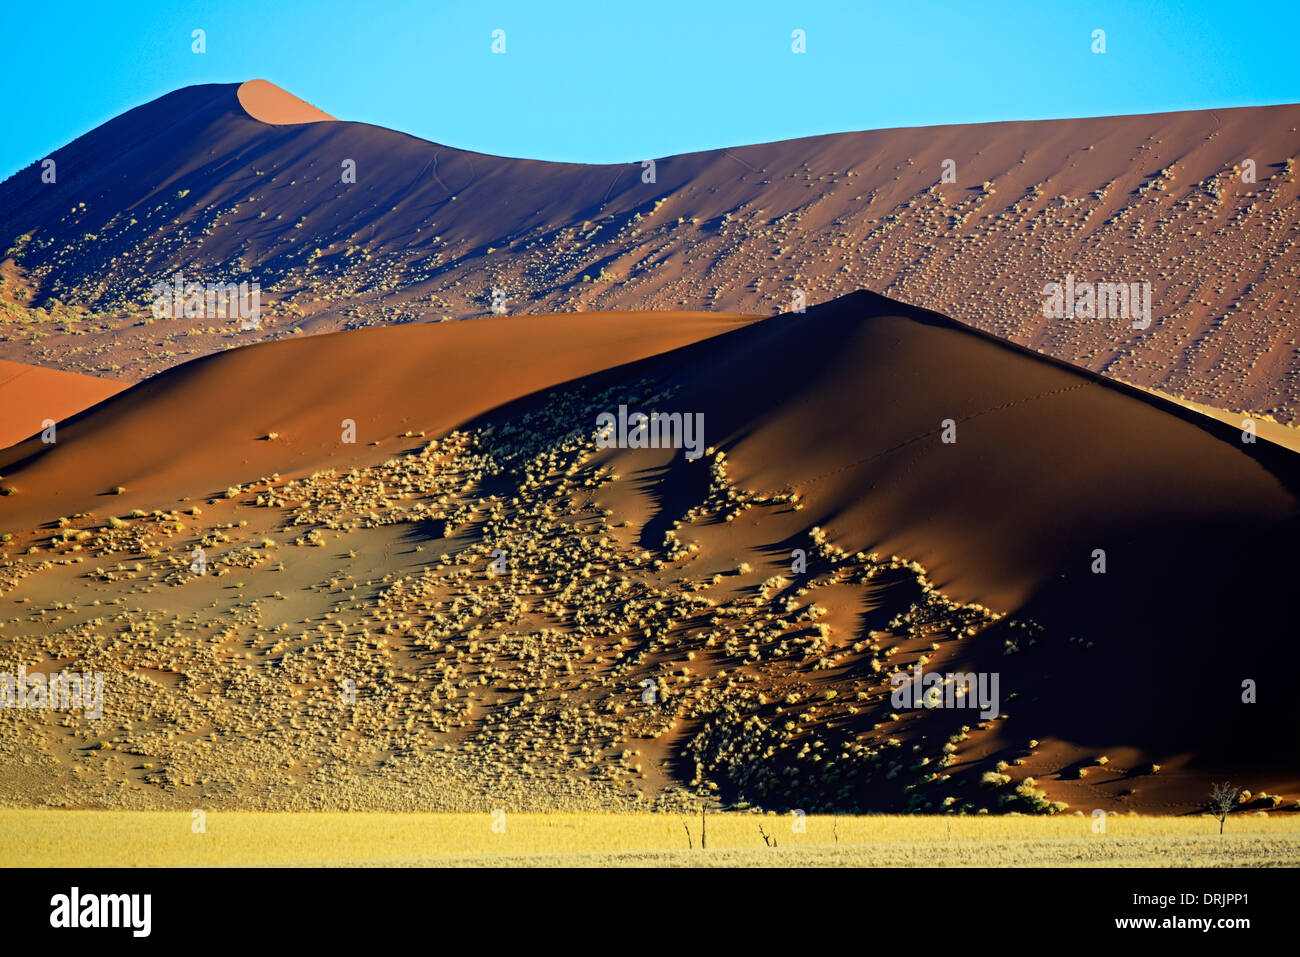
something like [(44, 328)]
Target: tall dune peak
[(265, 101)]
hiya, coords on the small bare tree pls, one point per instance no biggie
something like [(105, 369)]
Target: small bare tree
[(769, 840), (1223, 798)]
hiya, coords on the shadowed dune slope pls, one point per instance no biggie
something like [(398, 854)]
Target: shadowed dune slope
[(30, 395), (846, 406)]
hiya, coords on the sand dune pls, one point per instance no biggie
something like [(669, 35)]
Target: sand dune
[(630, 565), (30, 395), (846, 405), (198, 182)]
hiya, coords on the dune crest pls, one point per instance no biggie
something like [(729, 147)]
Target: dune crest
[(450, 372), (265, 101), (32, 395)]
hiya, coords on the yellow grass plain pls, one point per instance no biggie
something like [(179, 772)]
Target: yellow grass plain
[(68, 838)]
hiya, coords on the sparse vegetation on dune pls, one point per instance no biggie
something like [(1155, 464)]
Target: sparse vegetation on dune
[(469, 683), (584, 672)]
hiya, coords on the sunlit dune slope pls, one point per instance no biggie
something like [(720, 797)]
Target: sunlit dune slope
[(30, 396), (199, 428), (267, 102)]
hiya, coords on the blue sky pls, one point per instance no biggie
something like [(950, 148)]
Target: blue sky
[(618, 81)]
